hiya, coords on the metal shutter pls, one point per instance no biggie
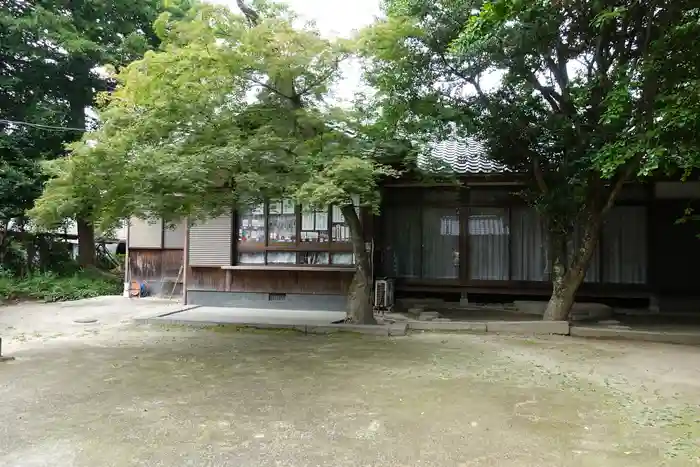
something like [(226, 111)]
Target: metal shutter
[(145, 233), (174, 237), (210, 242)]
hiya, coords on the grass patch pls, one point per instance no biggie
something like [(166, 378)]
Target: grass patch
[(51, 287)]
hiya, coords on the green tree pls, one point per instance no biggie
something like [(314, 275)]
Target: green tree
[(52, 54), (233, 109), (583, 95), (21, 147)]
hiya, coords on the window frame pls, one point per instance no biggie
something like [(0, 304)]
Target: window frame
[(299, 247)]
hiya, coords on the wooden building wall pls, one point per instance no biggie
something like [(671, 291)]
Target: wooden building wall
[(158, 268), (304, 281)]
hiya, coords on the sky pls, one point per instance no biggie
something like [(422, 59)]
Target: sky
[(334, 18)]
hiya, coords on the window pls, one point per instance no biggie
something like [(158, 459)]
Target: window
[(489, 235), (279, 232), (528, 246), (343, 258), (624, 245), (402, 250), (340, 230), (281, 257), (314, 257), (251, 225), (314, 224), (282, 222), (440, 243), (251, 258), (421, 242)]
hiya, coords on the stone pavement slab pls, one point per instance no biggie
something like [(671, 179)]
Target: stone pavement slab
[(234, 315)]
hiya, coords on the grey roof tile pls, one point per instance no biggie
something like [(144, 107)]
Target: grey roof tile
[(463, 157)]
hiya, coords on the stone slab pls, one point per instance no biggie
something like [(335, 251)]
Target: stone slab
[(428, 315), (580, 311), (529, 327), (371, 329), (668, 337), (452, 326), (240, 315)]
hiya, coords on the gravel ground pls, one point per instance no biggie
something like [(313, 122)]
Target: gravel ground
[(113, 393)]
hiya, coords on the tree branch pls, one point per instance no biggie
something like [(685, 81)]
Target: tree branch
[(548, 93), (539, 175), (320, 80), (560, 75), (270, 88), (250, 14)]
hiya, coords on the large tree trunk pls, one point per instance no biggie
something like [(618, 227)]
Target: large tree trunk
[(359, 296), (86, 243), (81, 98), (568, 271)]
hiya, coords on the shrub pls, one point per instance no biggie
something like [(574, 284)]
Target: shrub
[(51, 287)]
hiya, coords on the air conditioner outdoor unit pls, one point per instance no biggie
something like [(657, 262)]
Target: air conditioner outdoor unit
[(383, 294)]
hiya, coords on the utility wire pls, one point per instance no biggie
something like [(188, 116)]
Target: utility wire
[(46, 127)]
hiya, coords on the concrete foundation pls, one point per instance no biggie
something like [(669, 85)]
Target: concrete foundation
[(529, 327), (668, 337), (266, 301), (453, 326)]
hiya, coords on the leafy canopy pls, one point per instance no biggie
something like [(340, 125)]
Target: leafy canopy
[(579, 94), (224, 112), (50, 52)]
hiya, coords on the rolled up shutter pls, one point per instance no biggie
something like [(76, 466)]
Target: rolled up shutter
[(210, 242)]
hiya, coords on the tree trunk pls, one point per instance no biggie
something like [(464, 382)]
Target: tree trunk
[(567, 280), (3, 244), (82, 98), (359, 309), (86, 243), (564, 288)]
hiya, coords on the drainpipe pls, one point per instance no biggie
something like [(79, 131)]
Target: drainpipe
[(185, 261)]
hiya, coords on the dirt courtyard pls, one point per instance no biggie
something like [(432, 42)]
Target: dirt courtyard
[(113, 393)]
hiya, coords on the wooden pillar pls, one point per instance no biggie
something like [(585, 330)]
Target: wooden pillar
[(229, 279), (127, 265), (463, 234), (185, 262), (651, 218)]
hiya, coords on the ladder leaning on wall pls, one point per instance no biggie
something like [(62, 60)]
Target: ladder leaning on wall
[(177, 281)]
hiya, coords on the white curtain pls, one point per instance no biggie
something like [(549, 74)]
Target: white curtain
[(489, 234), (625, 245), (529, 248)]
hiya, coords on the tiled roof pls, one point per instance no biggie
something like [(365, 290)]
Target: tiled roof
[(464, 157)]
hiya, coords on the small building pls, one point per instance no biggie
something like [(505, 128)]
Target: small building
[(472, 239)]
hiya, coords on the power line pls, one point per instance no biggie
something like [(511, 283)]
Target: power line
[(46, 127)]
